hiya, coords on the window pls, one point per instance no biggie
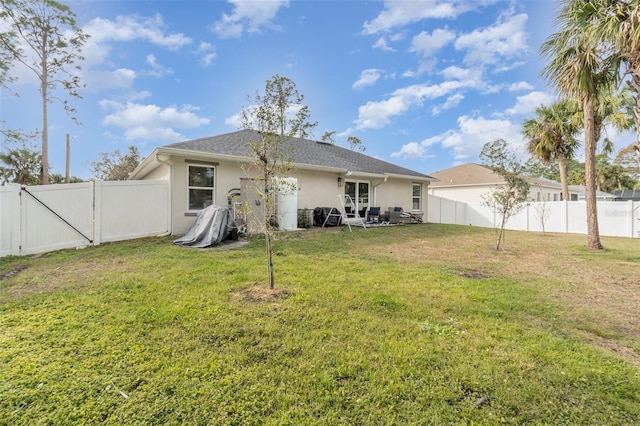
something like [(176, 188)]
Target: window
[(417, 197), (201, 186)]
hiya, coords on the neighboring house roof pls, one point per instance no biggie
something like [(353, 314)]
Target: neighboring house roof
[(465, 175), (471, 174), (305, 153), (600, 195), (628, 194)]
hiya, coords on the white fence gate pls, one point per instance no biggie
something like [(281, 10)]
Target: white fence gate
[(615, 218), (37, 219)]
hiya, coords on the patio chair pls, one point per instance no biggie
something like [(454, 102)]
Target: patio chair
[(374, 213), (394, 214), (398, 215)]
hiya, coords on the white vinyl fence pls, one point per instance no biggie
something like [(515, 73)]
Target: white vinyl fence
[(37, 219), (615, 218)]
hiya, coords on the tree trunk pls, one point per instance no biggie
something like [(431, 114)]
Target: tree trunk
[(634, 83), (501, 231), (590, 142), (270, 260), (44, 83), (563, 177), (267, 222)]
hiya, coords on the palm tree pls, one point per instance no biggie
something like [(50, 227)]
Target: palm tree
[(580, 70), (22, 166), (551, 136), (617, 23)]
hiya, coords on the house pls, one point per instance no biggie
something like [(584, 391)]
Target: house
[(470, 182), (627, 195), (580, 190), (209, 170)]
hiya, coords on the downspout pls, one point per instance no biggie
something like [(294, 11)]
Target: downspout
[(170, 208), (375, 189)]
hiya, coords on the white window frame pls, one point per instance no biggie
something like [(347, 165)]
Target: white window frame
[(359, 201), (207, 188), (418, 197)]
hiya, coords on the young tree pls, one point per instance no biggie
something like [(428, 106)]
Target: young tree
[(356, 144), (21, 165), (509, 197), (115, 165), (535, 167), (328, 137), (274, 117), (629, 158), (43, 36), (551, 136), (542, 210)]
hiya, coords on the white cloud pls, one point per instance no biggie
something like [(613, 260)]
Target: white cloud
[(473, 133), (119, 78), (492, 45), (375, 115), (157, 70), (248, 15), (451, 102), (398, 13), (381, 44), (207, 50), (528, 103), (410, 150), (104, 33), (415, 149), (426, 44), (520, 85), (150, 122), (124, 29), (467, 141), (473, 76), (367, 78)]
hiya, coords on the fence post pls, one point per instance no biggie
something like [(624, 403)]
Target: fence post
[(97, 212), (631, 217), (16, 220)]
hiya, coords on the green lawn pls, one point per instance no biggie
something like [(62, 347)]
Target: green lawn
[(420, 324)]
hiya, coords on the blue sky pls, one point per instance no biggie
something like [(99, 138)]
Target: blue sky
[(423, 84)]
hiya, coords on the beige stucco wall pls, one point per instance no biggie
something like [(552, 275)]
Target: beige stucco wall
[(316, 189)]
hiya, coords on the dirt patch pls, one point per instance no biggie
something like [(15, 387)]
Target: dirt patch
[(70, 275), (260, 293), (473, 275), (12, 273)]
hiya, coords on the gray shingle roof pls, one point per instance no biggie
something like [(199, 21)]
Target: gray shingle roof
[(305, 152)]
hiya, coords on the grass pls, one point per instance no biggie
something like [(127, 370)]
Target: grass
[(423, 324)]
